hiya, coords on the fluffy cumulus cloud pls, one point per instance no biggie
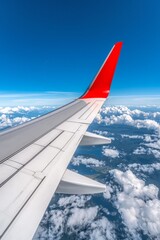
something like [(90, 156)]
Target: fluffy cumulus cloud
[(102, 229), (23, 109), (12, 116), (73, 201), (138, 204), (135, 118), (153, 146), (109, 152), (10, 110), (71, 215), (124, 115), (120, 110), (82, 216), (108, 192), (6, 121), (128, 120), (89, 162)]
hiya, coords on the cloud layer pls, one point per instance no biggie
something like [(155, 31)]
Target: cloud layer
[(108, 152), (133, 200), (135, 118), (88, 162), (72, 216), (13, 116), (138, 204)]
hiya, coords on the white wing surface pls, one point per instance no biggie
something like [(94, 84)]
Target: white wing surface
[(34, 157)]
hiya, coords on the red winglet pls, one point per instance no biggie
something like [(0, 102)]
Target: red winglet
[(100, 86)]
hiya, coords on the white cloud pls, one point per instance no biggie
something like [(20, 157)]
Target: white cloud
[(152, 142), (98, 117), (128, 120), (133, 186), (138, 204), (101, 132), (140, 151), (146, 168), (120, 110), (155, 145), (73, 201), (80, 216), (107, 193), (20, 120), (122, 119), (147, 138), (124, 115), (6, 121), (102, 229), (156, 114), (149, 124), (10, 110), (12, 116), (89, 162), (155, 152), (132, 136), (56, 217), (104, 133), (108, 152), (71, 215), (52, 225)]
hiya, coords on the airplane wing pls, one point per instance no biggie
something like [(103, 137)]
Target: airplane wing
[(34, 157)]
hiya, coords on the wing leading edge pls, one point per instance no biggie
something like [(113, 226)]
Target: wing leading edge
[(34, 157)]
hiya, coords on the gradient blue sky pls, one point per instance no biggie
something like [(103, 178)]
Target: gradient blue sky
[(60, 45)]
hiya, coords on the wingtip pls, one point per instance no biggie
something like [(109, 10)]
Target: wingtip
[(120, 43), (118, 46), (100, 86)]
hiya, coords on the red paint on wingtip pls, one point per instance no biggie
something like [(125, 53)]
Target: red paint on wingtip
[(100, 86)]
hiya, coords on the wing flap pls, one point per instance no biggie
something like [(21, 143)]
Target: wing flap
[(74, 183)]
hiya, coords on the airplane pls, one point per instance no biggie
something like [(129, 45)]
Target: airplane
[(34, 157)]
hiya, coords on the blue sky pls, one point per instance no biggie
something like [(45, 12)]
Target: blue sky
[(58, 46)]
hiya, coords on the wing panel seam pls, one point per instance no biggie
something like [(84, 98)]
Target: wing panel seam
[(21, 208), (10, 177), (86, 109)]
